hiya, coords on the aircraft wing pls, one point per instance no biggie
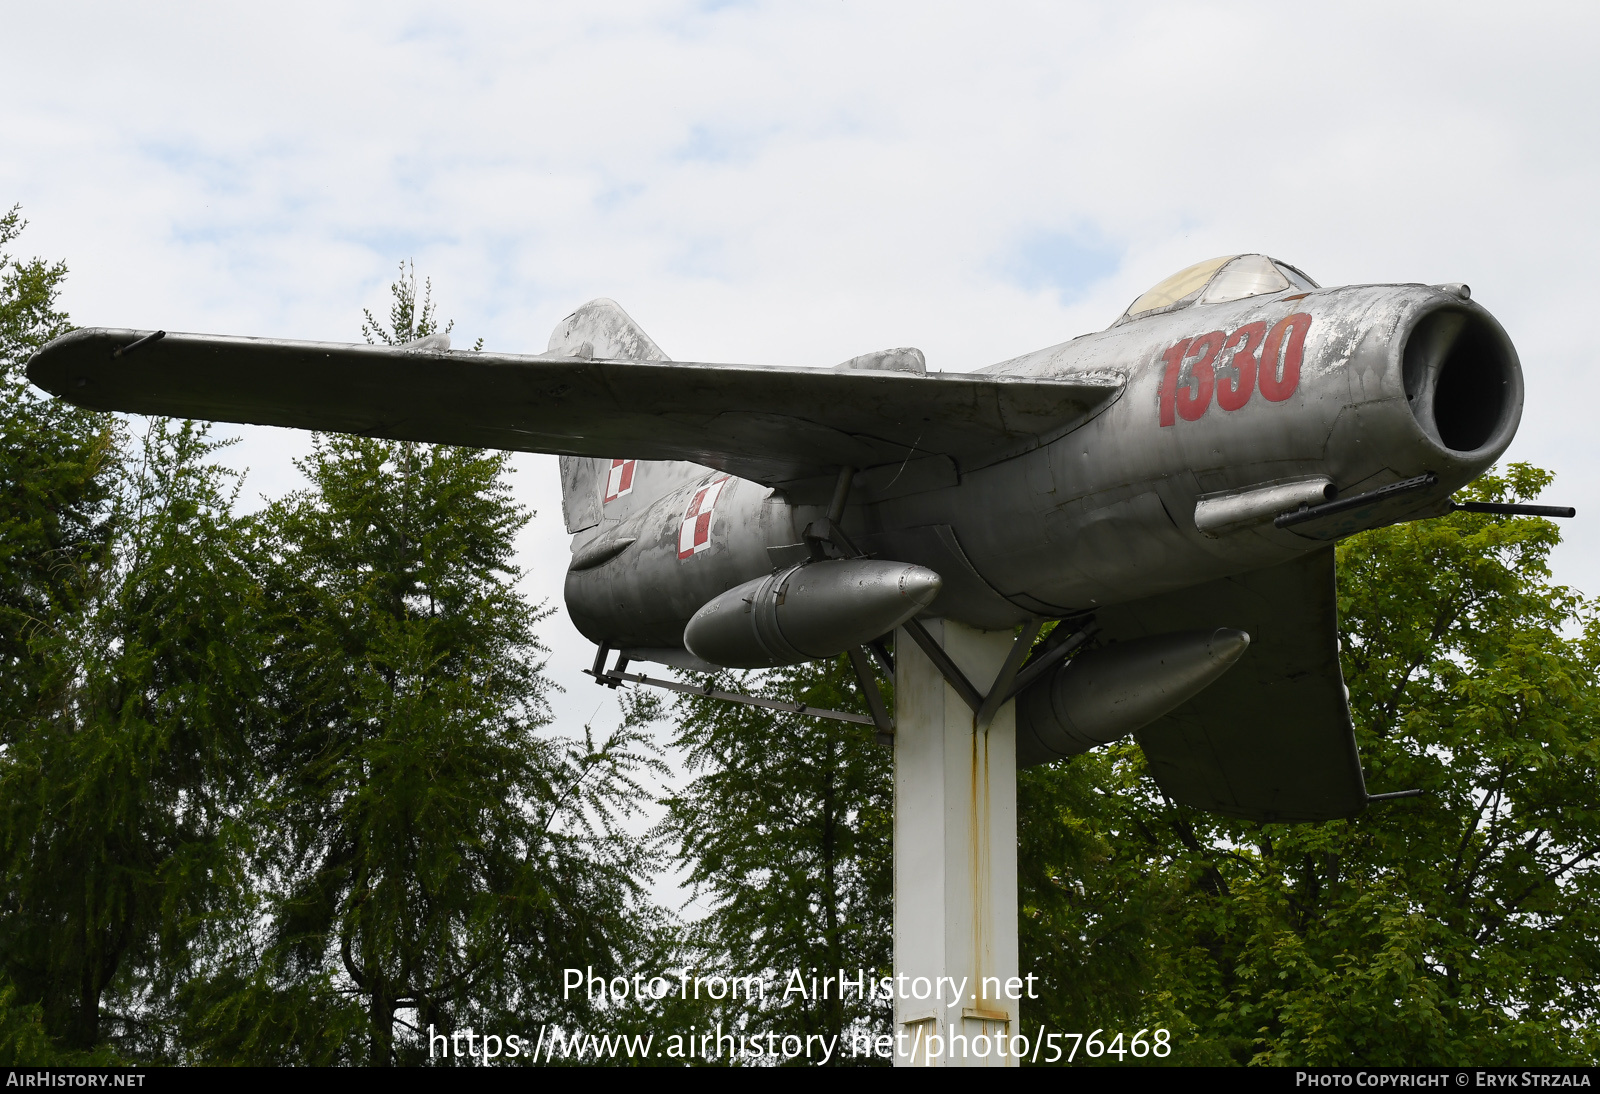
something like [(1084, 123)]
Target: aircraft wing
[(1272, 739), (775, 425)]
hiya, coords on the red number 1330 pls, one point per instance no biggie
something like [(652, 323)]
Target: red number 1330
[(1268, 360)]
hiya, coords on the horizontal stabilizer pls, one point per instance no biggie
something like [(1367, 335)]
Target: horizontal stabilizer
[(772, 424)]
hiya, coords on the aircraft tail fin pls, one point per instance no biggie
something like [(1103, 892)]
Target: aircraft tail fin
[(602, 329), (596, 490)]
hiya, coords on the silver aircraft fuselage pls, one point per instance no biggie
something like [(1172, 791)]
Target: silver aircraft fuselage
[(1303, 395), (1108, 512)]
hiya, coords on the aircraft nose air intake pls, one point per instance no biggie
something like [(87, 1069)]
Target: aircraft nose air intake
[(1462, 379), (1110, 692), (807, 612)]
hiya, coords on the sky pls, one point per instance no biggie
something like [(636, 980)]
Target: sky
[(799, 183)]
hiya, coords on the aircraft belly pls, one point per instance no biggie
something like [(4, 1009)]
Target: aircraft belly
[(966, 595), (645, 595), (1093, 551), (1054, 532)]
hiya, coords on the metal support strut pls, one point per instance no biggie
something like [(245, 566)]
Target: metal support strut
[(1014, 675), (874, 698), (615, 676), (829, 531)]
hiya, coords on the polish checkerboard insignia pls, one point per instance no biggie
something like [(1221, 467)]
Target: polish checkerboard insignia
[(694, 534), (619, 484)]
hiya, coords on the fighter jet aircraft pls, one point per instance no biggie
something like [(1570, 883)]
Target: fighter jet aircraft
[(1169, 489)]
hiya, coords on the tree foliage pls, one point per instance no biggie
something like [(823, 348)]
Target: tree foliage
[(126, 686), (438, 852), (436, 858), (280, 789), (785, 830), (410, 317), (57, 466), (1458, 927), (121, 801)]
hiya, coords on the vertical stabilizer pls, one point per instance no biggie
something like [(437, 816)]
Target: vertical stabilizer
[(602, 329), (598, 491)]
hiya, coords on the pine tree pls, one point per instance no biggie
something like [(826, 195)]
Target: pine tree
[(440, 858), (128, 690), (786, 827), (58, 466)]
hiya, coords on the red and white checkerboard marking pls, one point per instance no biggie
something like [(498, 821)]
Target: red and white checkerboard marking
[(619, 483), (694, 534)]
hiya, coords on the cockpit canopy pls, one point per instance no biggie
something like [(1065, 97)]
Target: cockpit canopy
[(1231, 277)]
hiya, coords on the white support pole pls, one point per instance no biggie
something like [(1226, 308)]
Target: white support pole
[(955, 858)]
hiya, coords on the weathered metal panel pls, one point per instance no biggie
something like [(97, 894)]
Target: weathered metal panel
[(646, 594), (580, 492), (768, 423)]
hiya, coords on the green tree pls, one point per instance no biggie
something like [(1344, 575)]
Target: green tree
[(438, 858), (58, 466), (409, 318), (55, 493), (124, 696), (1455, 928), (786, 827), (123, 805), (1093, 900)]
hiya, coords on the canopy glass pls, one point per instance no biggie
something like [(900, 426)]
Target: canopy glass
[(1217, 280)]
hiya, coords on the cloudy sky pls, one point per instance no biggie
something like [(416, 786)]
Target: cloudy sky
[(797, 183)]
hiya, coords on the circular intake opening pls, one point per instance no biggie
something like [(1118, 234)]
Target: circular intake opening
[(1461, 378)]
